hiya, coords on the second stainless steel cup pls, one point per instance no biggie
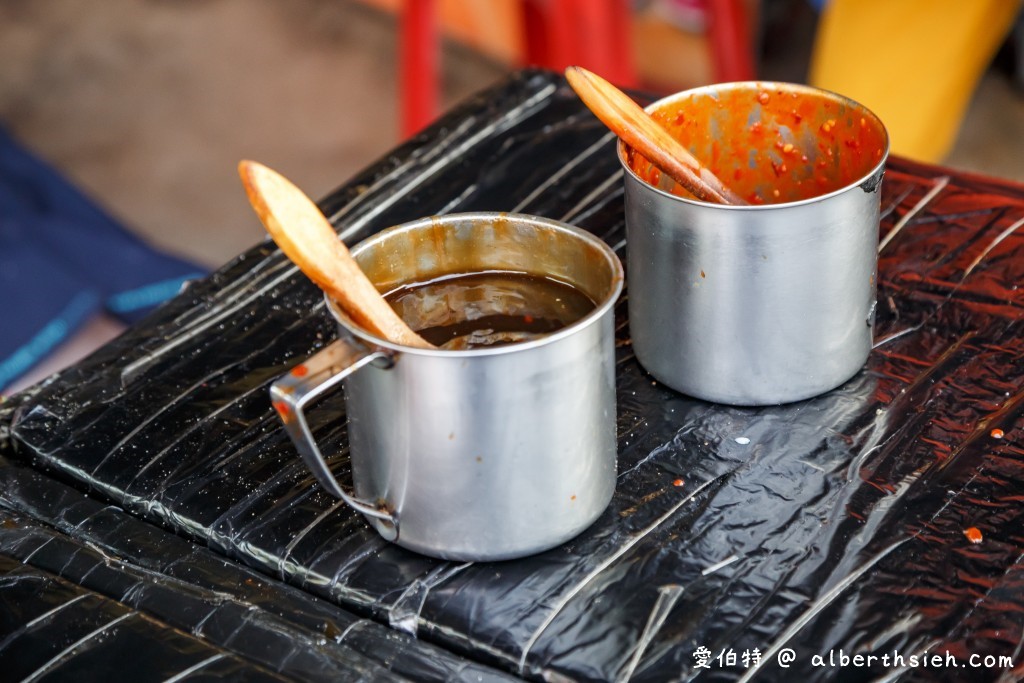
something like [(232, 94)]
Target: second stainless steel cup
[(767, 303)]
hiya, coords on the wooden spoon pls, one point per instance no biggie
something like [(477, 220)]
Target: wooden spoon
[(639, 130), (307, 238)]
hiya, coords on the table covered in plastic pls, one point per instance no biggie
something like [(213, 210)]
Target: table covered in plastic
[(149, 493)]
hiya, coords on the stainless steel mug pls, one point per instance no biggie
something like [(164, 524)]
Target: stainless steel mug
[(767, 303), (480, 454)]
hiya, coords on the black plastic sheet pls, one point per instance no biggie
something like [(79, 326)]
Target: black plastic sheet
[(88, 590), (830, 527)]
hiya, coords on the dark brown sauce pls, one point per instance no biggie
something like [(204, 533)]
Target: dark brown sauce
[(488, 309)]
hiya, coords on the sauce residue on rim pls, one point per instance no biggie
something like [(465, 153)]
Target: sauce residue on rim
[(770, 145)]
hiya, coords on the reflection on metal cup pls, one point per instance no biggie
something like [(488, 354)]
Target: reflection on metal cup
[(767, 303), (481, 454)]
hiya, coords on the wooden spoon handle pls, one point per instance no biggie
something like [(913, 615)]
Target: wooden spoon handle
[(639, 130), (307, 238)]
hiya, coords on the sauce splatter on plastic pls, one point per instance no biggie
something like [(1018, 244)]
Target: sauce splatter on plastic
[(973, 535)]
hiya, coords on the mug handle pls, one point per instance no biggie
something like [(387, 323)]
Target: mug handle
[(290, 396)]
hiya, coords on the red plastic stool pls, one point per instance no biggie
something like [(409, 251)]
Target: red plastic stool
[(729, 32), (595, 34), (591, 33), (419, 61)]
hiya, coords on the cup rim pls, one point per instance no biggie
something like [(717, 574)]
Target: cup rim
[(617, 284), (735, 85)]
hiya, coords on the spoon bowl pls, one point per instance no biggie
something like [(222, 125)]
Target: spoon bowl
[(306, 237), (639, 130)]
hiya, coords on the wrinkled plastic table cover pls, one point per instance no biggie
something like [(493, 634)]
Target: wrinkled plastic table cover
[(89, 592), (834, 523)]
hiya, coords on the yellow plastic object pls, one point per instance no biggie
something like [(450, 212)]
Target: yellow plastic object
[(915, 63)]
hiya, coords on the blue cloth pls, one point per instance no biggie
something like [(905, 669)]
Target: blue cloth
[(63, 259)]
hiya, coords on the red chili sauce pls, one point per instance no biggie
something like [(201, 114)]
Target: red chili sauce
[(771, 144)]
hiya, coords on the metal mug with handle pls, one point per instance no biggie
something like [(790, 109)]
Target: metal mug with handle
[(480, 454)]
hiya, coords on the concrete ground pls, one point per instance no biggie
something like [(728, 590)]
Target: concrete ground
[(148, 105)]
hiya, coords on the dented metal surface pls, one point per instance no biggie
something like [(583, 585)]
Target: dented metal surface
[(837, 522)]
